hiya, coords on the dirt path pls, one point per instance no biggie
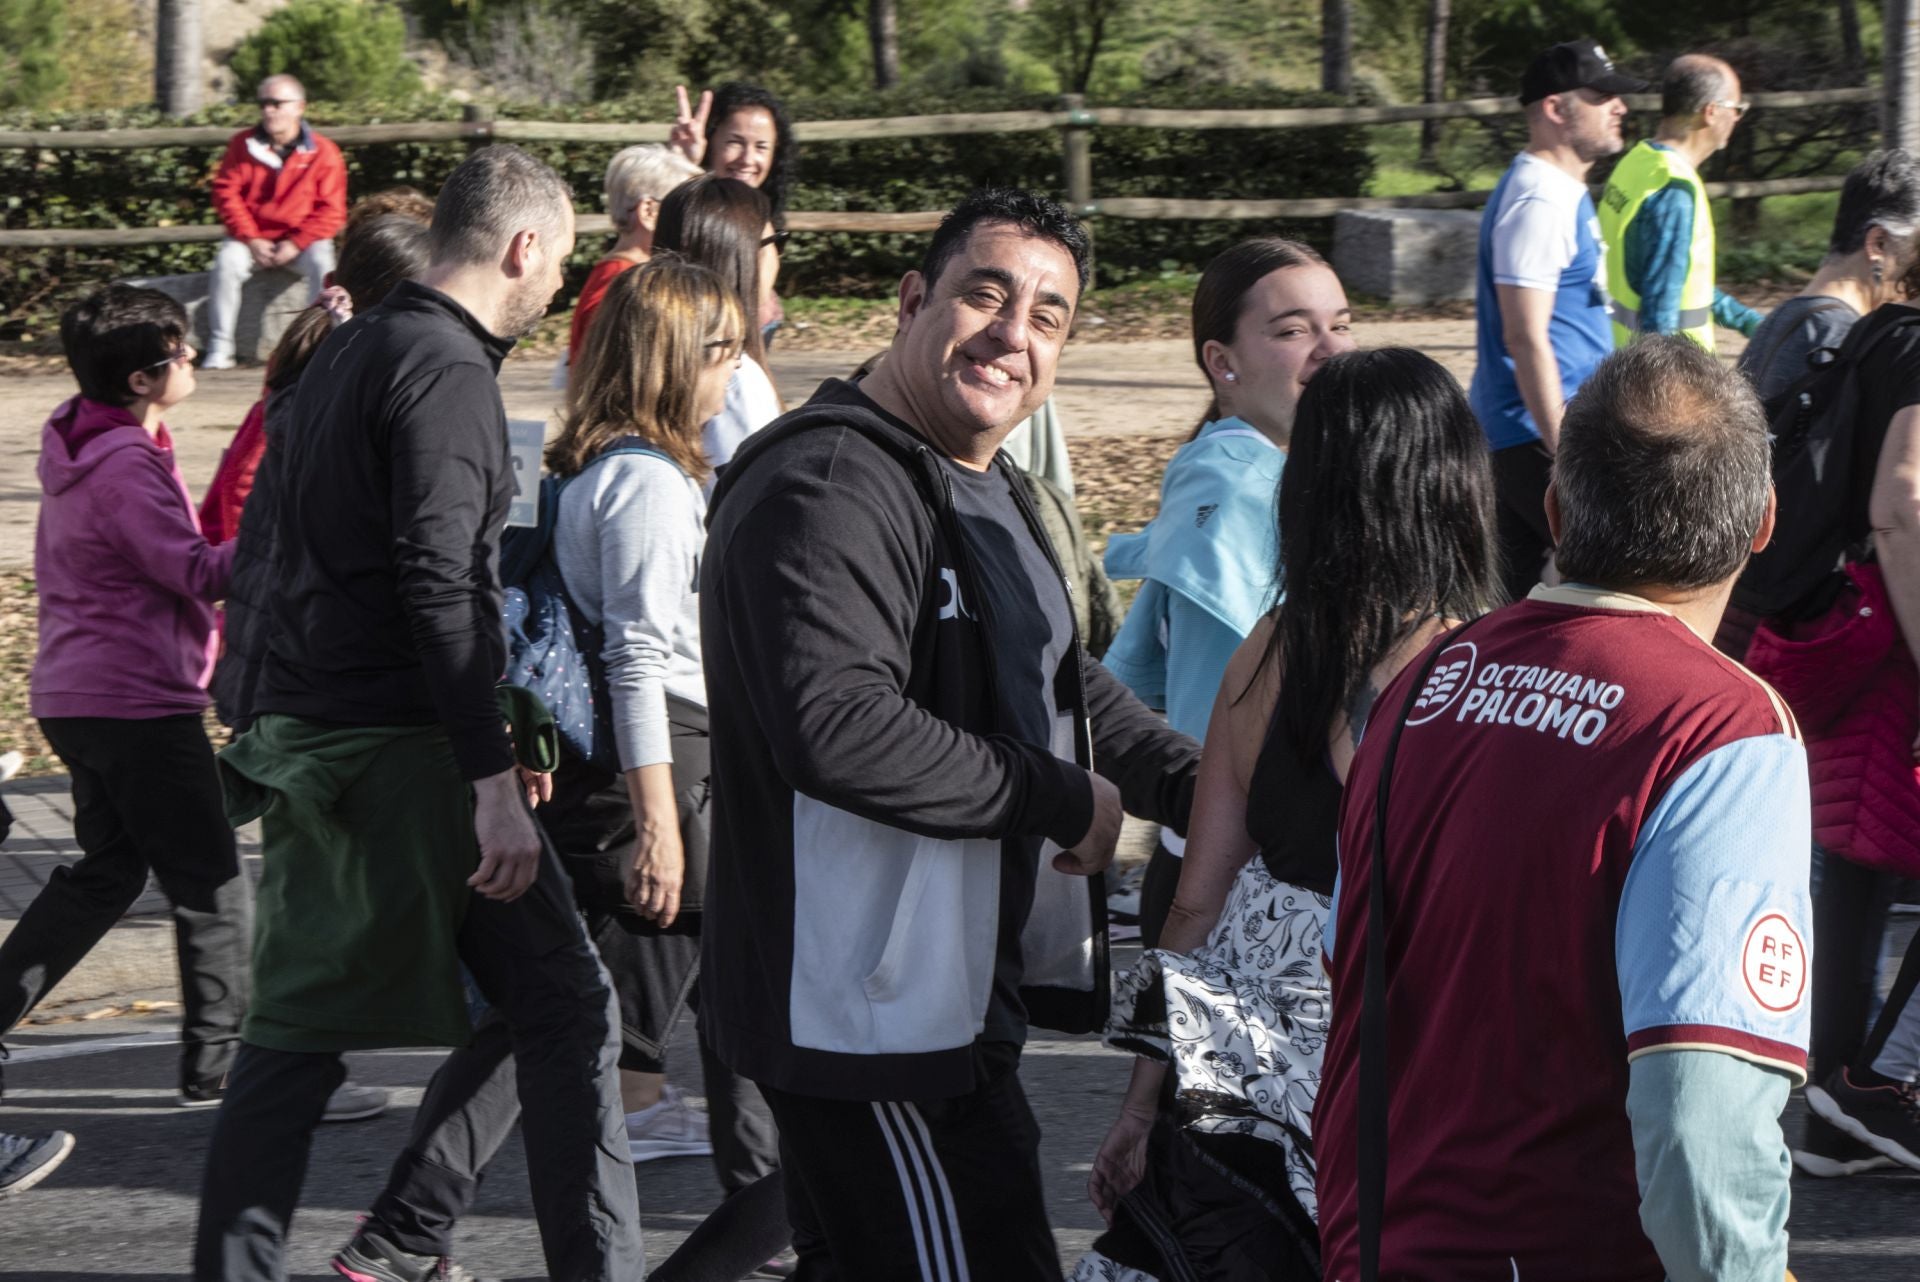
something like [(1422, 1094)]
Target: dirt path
[(1105, 390)]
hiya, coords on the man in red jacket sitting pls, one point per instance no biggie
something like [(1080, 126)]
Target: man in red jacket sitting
[(281, 190)]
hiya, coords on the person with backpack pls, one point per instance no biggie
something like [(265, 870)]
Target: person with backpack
[(1830, 615), (1868, 256)]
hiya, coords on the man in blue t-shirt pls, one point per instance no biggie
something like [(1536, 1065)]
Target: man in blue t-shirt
[(1541, 302)]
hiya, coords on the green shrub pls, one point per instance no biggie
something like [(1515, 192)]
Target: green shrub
[(342, 50), (167, 186), (32, 33)]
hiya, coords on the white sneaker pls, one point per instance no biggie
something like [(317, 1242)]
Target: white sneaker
[(352, 1102), (215, 361), (10, 763), (671, 1128)]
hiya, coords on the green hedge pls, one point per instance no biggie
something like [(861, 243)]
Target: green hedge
[(169, 185)]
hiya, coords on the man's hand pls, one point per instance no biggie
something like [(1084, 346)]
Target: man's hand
[(262, 251), (509, 846), (539, 786), (284, 252), (1094, 851), (689, 135)]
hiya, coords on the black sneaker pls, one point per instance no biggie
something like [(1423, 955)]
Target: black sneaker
[(25, 1160), (1827, 1152), (1884, 1118), (371, 1258), (201, 1096)]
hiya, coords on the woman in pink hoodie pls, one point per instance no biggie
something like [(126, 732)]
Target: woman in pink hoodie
[(127, 585)]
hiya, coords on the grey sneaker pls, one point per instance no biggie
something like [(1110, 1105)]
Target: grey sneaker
[(25, 1160), (371, 1258), (352, 1102), (671, 1128)]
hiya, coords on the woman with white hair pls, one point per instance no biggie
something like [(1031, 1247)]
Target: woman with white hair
[(638, 179)]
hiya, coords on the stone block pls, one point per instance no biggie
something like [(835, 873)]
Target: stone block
[(268, 302), (1407, 255)]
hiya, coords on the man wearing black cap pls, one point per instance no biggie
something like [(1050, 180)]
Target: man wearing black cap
[(1541, 301)]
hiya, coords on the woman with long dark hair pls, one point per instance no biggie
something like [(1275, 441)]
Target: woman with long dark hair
[(727, 226), (1385, 541), (1268, 313), (741, 131)]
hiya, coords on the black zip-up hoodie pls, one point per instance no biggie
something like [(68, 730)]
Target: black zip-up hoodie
[(863, 798), (386, 601)]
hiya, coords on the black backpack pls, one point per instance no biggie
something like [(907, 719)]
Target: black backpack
[(1815, 432)]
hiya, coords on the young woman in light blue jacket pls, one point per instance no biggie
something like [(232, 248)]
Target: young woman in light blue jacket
[(1268, 313)]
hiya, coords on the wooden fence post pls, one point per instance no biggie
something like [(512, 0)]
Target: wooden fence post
[(1076, 158), (476, 113)]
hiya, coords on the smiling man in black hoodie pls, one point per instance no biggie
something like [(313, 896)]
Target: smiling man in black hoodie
[(917, 774)]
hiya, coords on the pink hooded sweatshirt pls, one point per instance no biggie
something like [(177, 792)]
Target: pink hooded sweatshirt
[(125, 578)]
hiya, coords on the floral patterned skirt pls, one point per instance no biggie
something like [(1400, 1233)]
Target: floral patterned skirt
[(1242, 1020)]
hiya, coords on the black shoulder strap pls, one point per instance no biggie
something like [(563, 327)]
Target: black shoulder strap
[(1373, 1003), (1787, 331)]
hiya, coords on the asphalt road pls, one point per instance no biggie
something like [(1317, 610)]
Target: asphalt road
[(123, 1204)]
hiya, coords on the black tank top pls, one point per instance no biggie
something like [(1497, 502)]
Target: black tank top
[(1293, 812)]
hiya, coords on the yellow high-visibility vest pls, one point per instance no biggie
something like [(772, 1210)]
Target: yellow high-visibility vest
[(1642, 172)]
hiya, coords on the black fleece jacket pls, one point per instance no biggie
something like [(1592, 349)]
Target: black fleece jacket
[(846, 695), (387, 605)]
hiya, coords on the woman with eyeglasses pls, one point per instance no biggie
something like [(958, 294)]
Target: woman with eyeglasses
[(628, 538), (126, 586), (726, 225)]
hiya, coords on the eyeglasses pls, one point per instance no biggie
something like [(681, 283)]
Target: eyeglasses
[(279, 102), (1738, 109), (778, 240), (182, 357)]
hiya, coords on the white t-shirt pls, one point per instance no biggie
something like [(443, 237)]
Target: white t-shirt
[(1537, 226), (751, 405)]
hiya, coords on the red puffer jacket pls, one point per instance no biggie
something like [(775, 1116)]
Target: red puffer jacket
[(1850, 678), (302, 198)]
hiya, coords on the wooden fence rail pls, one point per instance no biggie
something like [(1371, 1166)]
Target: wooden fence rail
[(1075, 120)]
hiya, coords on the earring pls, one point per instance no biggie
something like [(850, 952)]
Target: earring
[(1231, 377), (1879, 271)]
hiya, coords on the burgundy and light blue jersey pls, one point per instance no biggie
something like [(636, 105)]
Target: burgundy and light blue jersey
[(1597, 845)]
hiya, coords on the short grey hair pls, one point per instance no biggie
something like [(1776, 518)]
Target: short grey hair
[(1693, 82), (492, 196), (281, 77), (646, 172), (1663, 470), (1882, 191)]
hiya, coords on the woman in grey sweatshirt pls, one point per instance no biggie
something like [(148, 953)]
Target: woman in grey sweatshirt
[(628, 538)]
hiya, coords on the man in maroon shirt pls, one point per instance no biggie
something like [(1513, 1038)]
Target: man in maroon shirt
[(281, 192), (1595, 926)]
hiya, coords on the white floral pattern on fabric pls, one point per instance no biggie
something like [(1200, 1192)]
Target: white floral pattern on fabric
[(1095, 1267), (1246, 1019)]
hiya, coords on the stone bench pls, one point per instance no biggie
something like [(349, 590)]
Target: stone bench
[(1407, 255), (268, 302)]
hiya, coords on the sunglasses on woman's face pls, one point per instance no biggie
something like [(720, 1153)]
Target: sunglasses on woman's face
[(778, 240), (184, 356)]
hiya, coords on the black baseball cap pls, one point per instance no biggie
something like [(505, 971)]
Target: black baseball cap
[(1576, 64)]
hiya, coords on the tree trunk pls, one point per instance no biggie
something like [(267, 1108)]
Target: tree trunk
[(1433, 81), (1902, 75), (1336, 47), (178, 77), (1852, 52), (883, 33)]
